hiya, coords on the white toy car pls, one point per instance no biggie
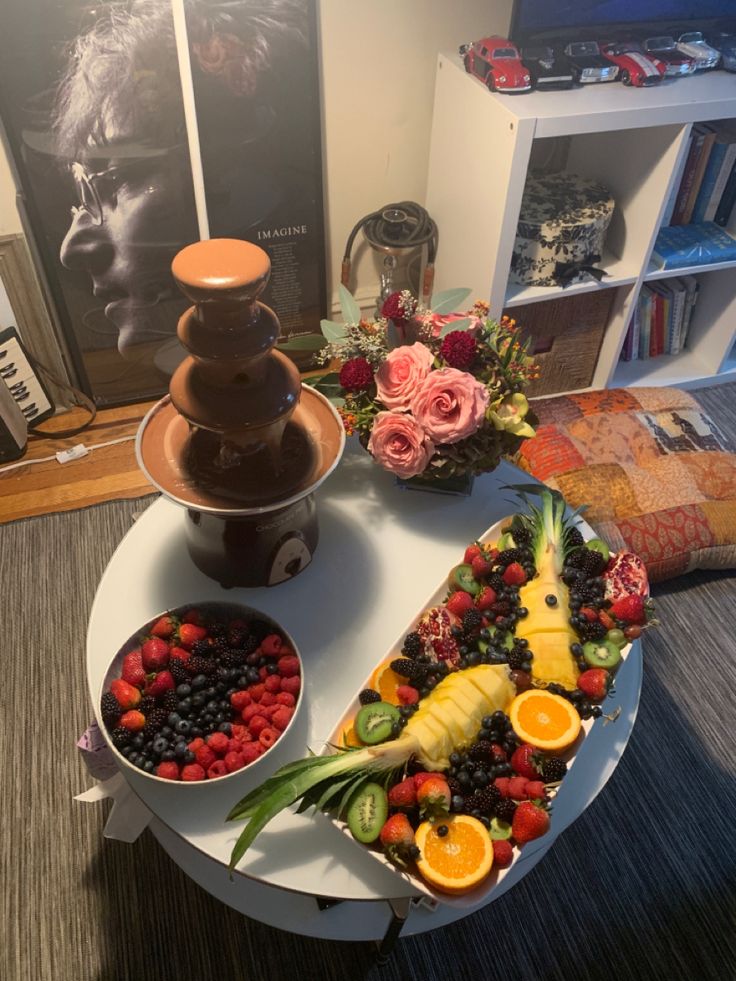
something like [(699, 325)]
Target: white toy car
[(693, 44)]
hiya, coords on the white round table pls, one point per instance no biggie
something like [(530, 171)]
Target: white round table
[(382, 552)]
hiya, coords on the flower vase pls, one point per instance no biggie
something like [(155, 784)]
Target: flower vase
[(459, 485)]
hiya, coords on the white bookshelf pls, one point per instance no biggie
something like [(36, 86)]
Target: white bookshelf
[(630, 139)]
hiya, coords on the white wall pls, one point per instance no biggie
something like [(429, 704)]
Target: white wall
[(378, 68)]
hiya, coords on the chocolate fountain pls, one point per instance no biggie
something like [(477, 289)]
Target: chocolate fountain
[(239, 441)]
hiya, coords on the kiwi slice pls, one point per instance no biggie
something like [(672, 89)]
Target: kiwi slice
[(462, 578), (601, 654), (367, 812), (374, 721), (505, 541), (598, 545), (499, 829)]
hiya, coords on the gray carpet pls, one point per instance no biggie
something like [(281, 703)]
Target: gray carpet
[(641, 887)]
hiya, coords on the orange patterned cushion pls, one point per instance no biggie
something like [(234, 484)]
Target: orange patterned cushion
[(656, 473)]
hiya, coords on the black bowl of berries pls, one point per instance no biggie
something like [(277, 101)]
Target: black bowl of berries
[(200, 692)]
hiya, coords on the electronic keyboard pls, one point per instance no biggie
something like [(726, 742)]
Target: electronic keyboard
[(23, 383)]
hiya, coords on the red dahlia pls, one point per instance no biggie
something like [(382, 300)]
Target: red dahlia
[(458, 350), (399, 307), (356, 375)]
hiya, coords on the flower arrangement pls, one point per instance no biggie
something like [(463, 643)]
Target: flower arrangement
[(430, 392)]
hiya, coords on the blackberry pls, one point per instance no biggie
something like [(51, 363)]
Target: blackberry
[(472, 802), (488, 800), (510, 555), (413, 645), (155, 721), (147, 704), (481, 752), (201, 648), (408, 668), (201, 665), (588, 594), (521, 535), (217, 630), (587, 560), (495, 581), (472, 621), (516, 658), (231, 658), (368, 695), (178, 670), (456, 788), (592, 631), (170, 701), (249, 645), (505, 810), (110, 708), (220, 646), (574, 537), (554, 769), (236, 636), (121, 737)]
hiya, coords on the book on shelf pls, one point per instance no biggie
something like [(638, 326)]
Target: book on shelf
[(709, 136), (661, 313), (669, 209), (679, 302), (693, 288), (630, 349), (715, 176), (645, 321), (680, 246), (688, 175), (727, 201)]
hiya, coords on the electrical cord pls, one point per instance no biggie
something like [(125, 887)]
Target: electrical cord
[(80, 399), (48, 459)]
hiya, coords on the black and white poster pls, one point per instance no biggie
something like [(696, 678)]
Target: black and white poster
[(138, 126)]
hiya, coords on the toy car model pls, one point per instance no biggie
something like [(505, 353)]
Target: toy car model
[(693, 44), (548, 69), (726, 44), (665, 49), (588, 64), (635, 68), (497, 63)]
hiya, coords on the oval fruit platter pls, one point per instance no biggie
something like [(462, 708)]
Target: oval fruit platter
[(447, 762)]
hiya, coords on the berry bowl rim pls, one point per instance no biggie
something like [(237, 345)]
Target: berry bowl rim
[(212, 607)]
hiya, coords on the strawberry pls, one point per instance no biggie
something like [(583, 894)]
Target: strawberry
[(133, 671), (524, 761), (535, 790), (403, 794), (486, 598), (514, 575), (503, 853), (190, 633), (164, 626), (517, 788), (459, 603), (595, 683), (480, 566), (397, 838), (433, 798), (155, 652), (491, 553), (193, 616), (179, 654), (128, 696), (472, 552), (629, 609), (530, 822), (407, 695), (422, 777), (589, 613), (163, 682), (608, 622), (133, 720)]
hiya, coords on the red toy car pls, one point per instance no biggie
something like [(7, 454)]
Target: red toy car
[(635, 67), (497, 63)]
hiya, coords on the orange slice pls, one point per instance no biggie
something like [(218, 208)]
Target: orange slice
[(385, 681), (349, 737), (458, 861), (545, 720)]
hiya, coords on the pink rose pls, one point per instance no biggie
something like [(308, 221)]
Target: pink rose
[(438, 320), (400, 374), (400, 444), (450, 405)]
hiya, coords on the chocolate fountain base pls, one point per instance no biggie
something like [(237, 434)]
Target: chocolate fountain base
[(254, 550)]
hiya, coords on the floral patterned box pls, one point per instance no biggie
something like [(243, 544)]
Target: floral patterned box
[(562, 228)]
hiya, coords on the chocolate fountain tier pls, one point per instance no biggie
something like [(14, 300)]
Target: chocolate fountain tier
[(178, 460)]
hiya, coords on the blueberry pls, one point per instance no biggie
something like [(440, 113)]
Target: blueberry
[(480, 778), (454, 758), (148, 766), (242, 681), (253, 676), (197, 732), (183, 728), (183, 690), (180, 751), (550, 599), (173, 718), (463, 778), (168, 755), (442, 831), (190, 757), (458, 804), (199, 681), (184, 707), (225, 727), (272, 669), (198, 700), (137, 741), (210, 692), (160, 745), (220, 688)]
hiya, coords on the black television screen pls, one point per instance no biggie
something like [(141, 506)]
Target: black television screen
[(533, 17)]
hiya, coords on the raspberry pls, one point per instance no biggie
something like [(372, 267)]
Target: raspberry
[(503, 853), (268, 737), (268, 698), (240, 732), (257, 724), (288, 666), (249, 712), (292, 685), (517, 788), (218, 742), (502, 783), (263, 673), (535, 790), (192, 772), (218, 769), (234, 745), (205, 756), (233, 762), (256, 691), (251, 751), (168, 770), (271, 645), (284, 698), (407, 695), (281, 717), (239, 700), (273, 683)]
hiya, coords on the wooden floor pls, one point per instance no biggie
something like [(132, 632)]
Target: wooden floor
[(105, 474)]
